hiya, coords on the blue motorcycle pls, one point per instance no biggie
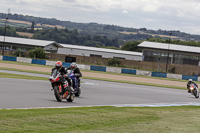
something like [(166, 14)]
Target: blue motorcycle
[(74, 81)]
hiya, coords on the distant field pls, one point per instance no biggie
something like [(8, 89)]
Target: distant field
[(175, 37), (25, 34), (26, 24)]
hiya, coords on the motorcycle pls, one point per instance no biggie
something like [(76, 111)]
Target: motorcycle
[(194, 90), (77, 89), (59, 91)]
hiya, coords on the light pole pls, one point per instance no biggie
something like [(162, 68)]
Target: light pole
[(168, 52), (5, 32)]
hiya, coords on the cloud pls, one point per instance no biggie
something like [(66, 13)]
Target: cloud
[(134, 13), (124, 11)]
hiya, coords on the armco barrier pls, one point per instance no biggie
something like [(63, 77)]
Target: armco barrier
[(186, 77), (25, 60), (158, 74), (9, 58), (128, 71), (143, 73), (1, 57), (98, 68), (40, 62), (113, 69)]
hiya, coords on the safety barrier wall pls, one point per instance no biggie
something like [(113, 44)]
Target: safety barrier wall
[(158, 74), (113, 69), (1, 57), (98, 68), (84, 67), (128, 71), (186, 77), (66, 64), (40, 62), (50, 63), (143, 73), (9, 58), (25, 60), (174, 76), (102, 68)]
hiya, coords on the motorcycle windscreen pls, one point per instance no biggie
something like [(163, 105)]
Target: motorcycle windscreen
[(55, 73)]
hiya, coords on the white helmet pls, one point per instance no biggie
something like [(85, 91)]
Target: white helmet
[(190, 79), (73, 66)]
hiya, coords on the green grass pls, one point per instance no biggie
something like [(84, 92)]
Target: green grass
[(18, 76), (102, 119), (21, 70), (138, 83), (22, 63)]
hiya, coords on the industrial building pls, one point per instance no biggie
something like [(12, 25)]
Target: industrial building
[(176, 54), (13, 43), (68, 49)]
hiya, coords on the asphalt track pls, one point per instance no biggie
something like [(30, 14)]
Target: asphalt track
[(21, 93)]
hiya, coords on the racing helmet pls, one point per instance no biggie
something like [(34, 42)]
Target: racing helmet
[(73, 66), (58, 65), (190, 79)]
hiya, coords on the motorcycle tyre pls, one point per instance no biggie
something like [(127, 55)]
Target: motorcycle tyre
[(195, 94), (57, 94), (78, 93), (71, 98)]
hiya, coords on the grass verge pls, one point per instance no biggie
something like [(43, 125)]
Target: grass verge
[(27, 64), (101, 120), (137, 83), (18, 76)]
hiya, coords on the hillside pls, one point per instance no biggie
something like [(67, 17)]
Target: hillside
[(110, 31)]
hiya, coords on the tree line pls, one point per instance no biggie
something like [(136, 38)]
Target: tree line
[(110, 31)]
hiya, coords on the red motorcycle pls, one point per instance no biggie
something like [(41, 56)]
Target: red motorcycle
[(59, 91)]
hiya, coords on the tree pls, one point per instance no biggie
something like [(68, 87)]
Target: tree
[(37, 53), (132, 46), (114, 62), (32, 27)]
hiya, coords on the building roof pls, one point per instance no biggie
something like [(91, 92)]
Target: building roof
[(171, 47), (25, 41), (101, 49)]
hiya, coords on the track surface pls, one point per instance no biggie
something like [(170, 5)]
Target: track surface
[(20, 93)]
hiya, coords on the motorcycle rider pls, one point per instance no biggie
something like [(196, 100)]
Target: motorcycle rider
[(76, 71), (63, 71), (189, 83)]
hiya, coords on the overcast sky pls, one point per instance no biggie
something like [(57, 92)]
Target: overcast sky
[(180, 15)]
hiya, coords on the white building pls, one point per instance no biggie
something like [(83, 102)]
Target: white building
[(98, 52), (13, 43)]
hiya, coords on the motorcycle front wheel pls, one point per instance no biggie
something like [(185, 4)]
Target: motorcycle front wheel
[(70, 98), (57, 94), (196, 93), (78, 93)]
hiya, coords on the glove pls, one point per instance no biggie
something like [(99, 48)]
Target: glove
[(76, 74)]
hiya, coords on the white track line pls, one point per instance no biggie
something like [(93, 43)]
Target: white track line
[(123, 105)]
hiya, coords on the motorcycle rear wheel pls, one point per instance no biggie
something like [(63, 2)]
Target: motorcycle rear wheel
[(57, 94)]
